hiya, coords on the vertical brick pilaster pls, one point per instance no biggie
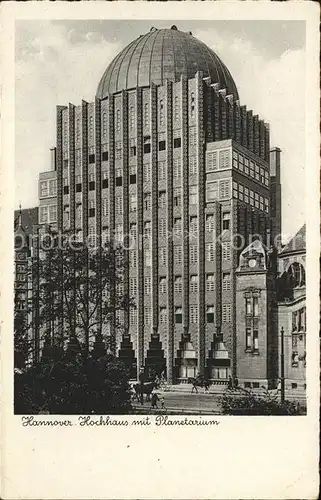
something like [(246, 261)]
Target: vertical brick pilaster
[(223, 107), (244, 138), (154, 170), (256, 134), (234, 257), (185, 189), (217, 115), (209, 112), (111, 157), (262, 139), (140, 228), (267, 143), (230, 118), (98, 204), (201, 220), (250, 135), (237, 121), (170, 265), (125, 201)]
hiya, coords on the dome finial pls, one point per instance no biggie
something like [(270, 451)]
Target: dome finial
[(174, 27)]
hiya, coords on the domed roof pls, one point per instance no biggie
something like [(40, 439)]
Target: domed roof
[(163, 54)]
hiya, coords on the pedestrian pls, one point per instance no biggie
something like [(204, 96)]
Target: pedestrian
[(162, 401), (230, 382), (155, 398)]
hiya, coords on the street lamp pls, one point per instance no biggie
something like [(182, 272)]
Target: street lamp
[(282, 366)]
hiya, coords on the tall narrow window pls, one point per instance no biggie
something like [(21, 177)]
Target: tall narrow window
[(210, 282), (176, 108), (178, 284), (162, 285), (193, 195), (210, 314), (104, 125), (252, 321), (147, 144), (131, 118), (192, 104), (209, 223), (117, 120), (193, 286), (162, 315), (161, 112), (178, 315), (211, 191), (146, 115), (226, 221)]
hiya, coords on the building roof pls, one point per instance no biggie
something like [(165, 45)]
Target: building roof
[(29, 218), (163, 54), (297, 243)]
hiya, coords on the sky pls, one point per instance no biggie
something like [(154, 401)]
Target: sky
[(61, 61)]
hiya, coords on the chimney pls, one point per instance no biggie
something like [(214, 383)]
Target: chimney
[(53, 159)]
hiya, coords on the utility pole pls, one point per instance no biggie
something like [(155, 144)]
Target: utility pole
[(282, 366)]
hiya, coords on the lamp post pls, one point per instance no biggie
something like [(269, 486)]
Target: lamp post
[(282, 366)]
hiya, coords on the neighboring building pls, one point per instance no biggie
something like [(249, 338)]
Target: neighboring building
[(291, 287), (24, 223)]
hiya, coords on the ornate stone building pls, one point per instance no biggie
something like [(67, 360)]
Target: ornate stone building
[(167, 160)]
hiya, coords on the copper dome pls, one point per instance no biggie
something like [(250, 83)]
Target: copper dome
[(163, 54)]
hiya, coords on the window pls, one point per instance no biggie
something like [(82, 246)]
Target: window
[(132, 148), (192, 104), (226, 250), (210, 252), (177, 197), (91, 158), (255, 340), (133, 203), (246, 195), (52, 213), (226, 282), (43, 214), (162, 256), (226, 221), (178, 284), (147, 229), (147, 257), (224, 159), (241, 191), (119, 233), (43, 188), (178, 254), (118, 205), (162, 227), (117, 120), (251, 169), (210, 282), (161, 171), (104, 180), (78, 184), (146, 172), (91, 182), (252, 321), (131, 117), (104, 120), (91, 127), (91, 208), (194, 314), (132, 258), (147, 315), (193, 224), (193, 284), (118, 150), (178, 315), (132, 316), (209, 223), (193, 254), (212, 161), (192, 136), (161, 112), (177, 142), (193, 195), (176, 108), (224, 189), (119, 181), (177, 228), (162, 315), (133, 231), (226, 313), (147, 201), (162, 285), (146, 115), (248, 339), (66, 189), (133, 286), (210, 314), (161, 145), (162, 199), (177, 168), (266, 205), (147, 285), (211, 191), (192, 165), (105, 207), (104, 156)]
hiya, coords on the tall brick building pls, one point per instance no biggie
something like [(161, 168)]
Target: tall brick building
[(167, 155)]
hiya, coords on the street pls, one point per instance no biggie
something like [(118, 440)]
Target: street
[(184, 402)]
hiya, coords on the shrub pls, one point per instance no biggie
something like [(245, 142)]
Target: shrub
[(244, 402)]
